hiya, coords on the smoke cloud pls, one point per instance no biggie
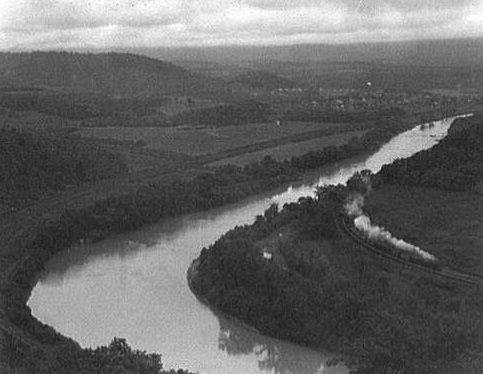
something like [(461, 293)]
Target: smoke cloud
[(377, 233), (354, 206)]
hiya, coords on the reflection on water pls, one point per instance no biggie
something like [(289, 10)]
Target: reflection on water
[(272, 356), (134, 285), (120, 247)]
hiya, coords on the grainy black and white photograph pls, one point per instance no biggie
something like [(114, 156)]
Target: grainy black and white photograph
[(241, 186)]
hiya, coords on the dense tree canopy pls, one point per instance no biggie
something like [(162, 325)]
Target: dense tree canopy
[(456, 163), (115, 358), (31, 163)]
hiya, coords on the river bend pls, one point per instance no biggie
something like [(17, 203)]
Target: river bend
[(134, 285)]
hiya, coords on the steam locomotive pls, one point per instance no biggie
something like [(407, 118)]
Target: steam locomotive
[(387, 250)]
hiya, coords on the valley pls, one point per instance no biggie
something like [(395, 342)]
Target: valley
[(99, 145)]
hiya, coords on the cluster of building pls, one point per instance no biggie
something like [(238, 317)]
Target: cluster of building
[(371, 99)]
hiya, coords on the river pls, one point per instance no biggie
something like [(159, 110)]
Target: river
[(134, 285)]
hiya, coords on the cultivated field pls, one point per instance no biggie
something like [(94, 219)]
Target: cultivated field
[(286, 151), (201, 141)]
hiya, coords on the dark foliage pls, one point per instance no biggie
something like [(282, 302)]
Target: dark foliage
[(122, 74), (30, 164), (456, 163), (117, 357), (77, 106)]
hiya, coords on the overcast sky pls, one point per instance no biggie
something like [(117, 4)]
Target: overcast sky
[(107, 24)]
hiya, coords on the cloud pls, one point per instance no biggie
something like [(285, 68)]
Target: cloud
[(50, 24)]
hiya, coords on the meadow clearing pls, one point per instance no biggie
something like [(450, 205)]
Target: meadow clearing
[(196, 141)]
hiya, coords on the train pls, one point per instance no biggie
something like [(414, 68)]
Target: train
[(387, 250)]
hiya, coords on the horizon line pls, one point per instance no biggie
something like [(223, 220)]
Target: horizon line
[(243, 45)]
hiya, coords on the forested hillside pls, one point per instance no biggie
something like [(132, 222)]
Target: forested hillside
[(77, 106), (456, 163), (122, 74), (31, 164)]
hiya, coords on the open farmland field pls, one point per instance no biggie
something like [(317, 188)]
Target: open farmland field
[(175, 105), (446, 224), (205, 141), (286, 151)]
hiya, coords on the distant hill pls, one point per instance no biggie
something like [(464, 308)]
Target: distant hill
[(409, 65), (446, 52), (116, 74)]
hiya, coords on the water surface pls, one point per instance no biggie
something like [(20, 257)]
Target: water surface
[(134, 285)]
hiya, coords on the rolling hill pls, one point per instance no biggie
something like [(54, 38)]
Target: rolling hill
[(115, 74), (445, 52)]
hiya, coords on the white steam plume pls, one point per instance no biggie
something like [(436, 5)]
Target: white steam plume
[(363, 223), (354, 206)]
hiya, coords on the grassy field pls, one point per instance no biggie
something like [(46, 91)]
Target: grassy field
[(447, 224), (202, 141), (286, 151)]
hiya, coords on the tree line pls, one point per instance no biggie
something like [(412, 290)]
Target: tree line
[(78, 106), (455, 163), (32, 163), (116, 357)]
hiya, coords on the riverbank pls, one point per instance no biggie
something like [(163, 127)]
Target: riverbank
[(22, 266), (190, 276)]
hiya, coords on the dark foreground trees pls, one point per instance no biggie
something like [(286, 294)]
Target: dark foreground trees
[(115, 358), (31, 164)]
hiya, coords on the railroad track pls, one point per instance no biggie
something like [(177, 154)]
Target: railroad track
[(445, 272)]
